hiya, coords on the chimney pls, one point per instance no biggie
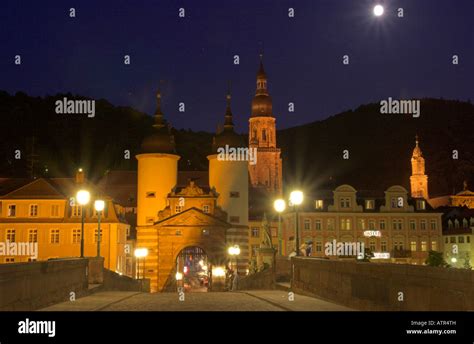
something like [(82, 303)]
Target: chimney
[(80, 176)]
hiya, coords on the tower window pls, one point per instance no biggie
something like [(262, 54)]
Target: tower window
[(206, 209), (264, 135), (150, 194)]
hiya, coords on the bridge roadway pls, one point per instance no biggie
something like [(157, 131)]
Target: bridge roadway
[(255, 300)]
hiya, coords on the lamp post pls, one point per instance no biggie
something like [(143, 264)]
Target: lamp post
[(280, 206), (83, 197), (296, 198), (234, 251), (141, 253), (99, 206)]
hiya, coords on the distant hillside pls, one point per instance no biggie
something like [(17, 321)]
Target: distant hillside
[(380, 146)]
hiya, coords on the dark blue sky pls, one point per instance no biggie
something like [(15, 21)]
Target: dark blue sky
[(389, 56)]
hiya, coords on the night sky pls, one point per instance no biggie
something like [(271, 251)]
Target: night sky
[(408, 57)]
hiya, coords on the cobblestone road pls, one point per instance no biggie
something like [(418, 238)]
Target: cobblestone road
[(271, 300)]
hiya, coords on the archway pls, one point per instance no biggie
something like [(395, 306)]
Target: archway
[(192, 266)]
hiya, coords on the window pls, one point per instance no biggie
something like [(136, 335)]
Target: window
[(369, 204), (362, 224), (461, 239), (234, 194), (423, 224), (464, 223), (450, 224), (424, 246), (33, 235), (371, 225), (11, 210), (254, 249), (54, 236), (434, 245), (345, 202), (421, 204), (264, 135), (318, 224), (150, 194), (383, 246), (413, 246), (397, 224), (76, 236), (345, 224), (397, 202), (398, 245), (318, 204), (178, 232), (95, 236), (206, 209), (55, 210), (372, 246), (11, 235), (307, 224), (412, 224), (33, 210), (234, 219), (330, 224), (255, 232), (178, 208), (9, 260), (456, 223), (76, 210), (433, 225), (319, 246), (452, 240), (382, 224)]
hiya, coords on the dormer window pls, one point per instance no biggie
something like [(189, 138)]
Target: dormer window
[(345, 202), (178, 208), (421, 204), (369, 204), (397, 202), (318, 204)]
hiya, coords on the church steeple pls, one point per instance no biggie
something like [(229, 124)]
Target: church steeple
[(159, 122), (228, 123), (418, 179), (262, 102)]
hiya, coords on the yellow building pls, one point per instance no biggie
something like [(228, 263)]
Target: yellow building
[(43, 211)]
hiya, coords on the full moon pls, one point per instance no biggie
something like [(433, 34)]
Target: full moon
[(378, 10)]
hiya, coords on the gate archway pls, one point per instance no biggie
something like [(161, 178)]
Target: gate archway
[(192, 263)]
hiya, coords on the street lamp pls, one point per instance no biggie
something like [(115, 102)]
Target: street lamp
[(280, 206), (141, 253), (83, 197), (99, 206), (296, 198), (234, 251)]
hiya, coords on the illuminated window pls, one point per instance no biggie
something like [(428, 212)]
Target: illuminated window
[(362, 224), (434, 245), (413, 246), (11, 235), (76, 236), (369, 204), (424, 246), (11, 210), (330, 224), (33, 235), (318, 204), (54, 236), (33, 210), (345, 224)]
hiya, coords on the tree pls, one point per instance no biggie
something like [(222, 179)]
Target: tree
[(467, 262), (436, 259)]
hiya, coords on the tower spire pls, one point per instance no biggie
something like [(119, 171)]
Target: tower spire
[(159, 122), (228, 123)]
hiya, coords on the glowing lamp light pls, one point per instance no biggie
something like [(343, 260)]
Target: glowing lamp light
[(179, 276), (141, 252), (83, 197), (99, 205), (378, 10), (185, 270), (279, 205), (234, 250), (204, 267), (218, 272), (453, 260), (296, 197)]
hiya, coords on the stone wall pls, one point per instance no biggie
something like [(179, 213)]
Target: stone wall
[(282, 269), (29, 286), (377, 286), (114, 281), (259, 280)]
